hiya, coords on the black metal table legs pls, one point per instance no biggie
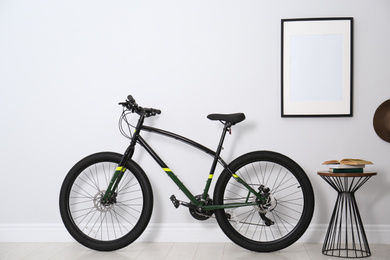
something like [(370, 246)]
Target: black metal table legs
[(346, 236)]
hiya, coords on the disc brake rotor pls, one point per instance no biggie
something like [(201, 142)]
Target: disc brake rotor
[(97, 201)]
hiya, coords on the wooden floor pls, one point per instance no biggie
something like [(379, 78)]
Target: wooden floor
[(169, 251)]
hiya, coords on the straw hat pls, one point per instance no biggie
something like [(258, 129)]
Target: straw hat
[(382, 121)]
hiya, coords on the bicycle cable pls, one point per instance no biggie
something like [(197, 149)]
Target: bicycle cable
[(123, 118)]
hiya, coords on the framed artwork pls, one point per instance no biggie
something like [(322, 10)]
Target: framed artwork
[(317, 67)]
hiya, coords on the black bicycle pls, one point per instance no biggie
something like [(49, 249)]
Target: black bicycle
[(263, 201)]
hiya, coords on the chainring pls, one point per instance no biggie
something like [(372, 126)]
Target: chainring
[(202, 215)]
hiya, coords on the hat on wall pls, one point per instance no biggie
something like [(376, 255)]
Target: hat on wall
[(382, 121)]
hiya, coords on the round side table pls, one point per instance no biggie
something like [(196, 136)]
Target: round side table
[(346, 236)]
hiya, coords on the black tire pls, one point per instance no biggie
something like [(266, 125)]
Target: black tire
[(99, 227), (291, 203)]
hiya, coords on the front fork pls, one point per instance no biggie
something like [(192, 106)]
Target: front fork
[(110, 194)]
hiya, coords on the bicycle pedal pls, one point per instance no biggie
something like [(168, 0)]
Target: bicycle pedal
[(175, 202)]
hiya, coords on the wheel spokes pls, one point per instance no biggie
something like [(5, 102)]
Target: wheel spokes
[(284, 208), (105, 222)]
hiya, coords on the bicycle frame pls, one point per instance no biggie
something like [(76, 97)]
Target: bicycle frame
[(199, 204)]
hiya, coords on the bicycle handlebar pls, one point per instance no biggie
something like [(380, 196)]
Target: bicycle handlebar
[(133, 107)]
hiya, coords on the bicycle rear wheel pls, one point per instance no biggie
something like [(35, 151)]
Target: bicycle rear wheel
[(271, 225), (105, 227)]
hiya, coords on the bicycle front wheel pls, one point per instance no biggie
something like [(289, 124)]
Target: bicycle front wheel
[(275, 222), (100, 226)]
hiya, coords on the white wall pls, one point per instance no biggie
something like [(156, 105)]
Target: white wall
[(64, 65)]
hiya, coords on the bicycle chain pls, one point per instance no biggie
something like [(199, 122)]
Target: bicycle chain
[(231, 219)]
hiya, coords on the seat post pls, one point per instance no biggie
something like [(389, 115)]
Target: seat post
[(226, 128)]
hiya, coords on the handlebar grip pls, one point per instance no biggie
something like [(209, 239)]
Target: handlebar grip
[(133, 106), (151, 111), (131, 99)]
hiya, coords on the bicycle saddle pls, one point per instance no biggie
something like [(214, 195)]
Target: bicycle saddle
[(228, 118)]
